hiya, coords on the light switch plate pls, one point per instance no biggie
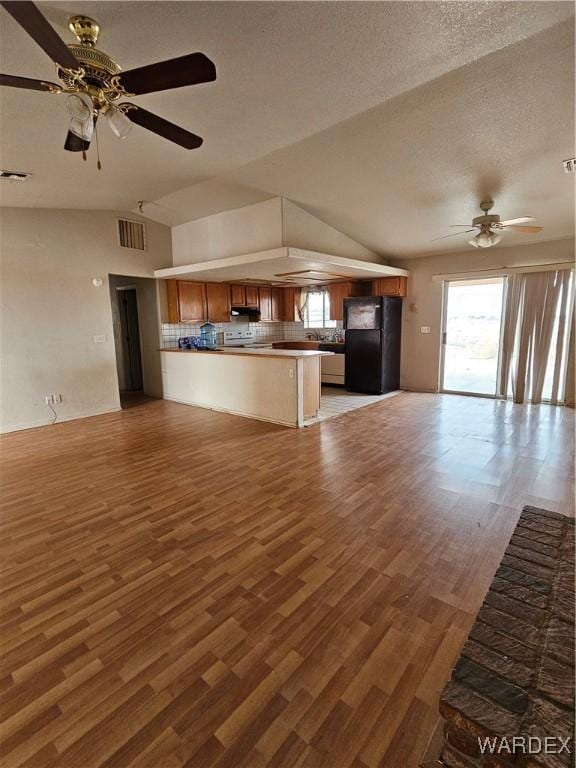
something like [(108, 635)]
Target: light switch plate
[(424, 329)]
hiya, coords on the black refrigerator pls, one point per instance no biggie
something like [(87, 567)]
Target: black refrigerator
[(373, 326)]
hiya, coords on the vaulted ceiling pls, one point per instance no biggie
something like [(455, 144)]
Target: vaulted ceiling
[(388, 120)]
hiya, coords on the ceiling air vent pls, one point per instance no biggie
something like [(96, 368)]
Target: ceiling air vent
[(14, 175), (132, 234), (569, 165)]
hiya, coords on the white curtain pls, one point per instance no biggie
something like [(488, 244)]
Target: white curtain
[(537, 340)]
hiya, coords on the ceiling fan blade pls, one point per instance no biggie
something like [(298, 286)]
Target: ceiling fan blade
[(27, 82), (41, 31), (174, 73), (459, 225), (456, 234), (162, 127), (74, 143), (521, 220), (524, 230)]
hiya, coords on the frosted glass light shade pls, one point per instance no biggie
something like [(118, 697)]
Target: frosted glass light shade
[(119, 123), (80, 106), (82, 128), (485, 239)]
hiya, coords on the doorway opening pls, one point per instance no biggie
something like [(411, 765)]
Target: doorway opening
[(128, 355), (136, 323), (471, 335)]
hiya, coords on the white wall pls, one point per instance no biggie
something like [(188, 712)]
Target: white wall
[(230, 233), (50, 311), (302, 230), (423, 305), (260, 227)]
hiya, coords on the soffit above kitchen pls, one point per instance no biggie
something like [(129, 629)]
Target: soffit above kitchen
[(280, 266)]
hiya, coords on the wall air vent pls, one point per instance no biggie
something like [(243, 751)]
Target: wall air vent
[(569, 165), (132, 234), (14, 175)]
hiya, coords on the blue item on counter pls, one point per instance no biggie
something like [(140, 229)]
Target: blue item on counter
[(185, 342), (208, 336)]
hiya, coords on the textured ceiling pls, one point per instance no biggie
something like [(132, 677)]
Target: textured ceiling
[(387, 120)]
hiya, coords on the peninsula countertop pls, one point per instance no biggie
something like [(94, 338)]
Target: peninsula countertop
[(246, 351)]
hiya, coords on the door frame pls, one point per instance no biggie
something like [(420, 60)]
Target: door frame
[(444, 319)]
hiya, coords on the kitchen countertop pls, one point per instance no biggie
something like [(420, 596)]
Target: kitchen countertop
[(290, 353)]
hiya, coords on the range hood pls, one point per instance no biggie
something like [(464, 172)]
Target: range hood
[(250, 313)]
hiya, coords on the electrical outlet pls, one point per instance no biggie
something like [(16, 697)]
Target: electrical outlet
[(53, 399), (424, 329), (100, 339), (291, 373)]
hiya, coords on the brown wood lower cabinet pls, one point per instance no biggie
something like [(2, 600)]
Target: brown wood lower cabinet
[(218, 302)]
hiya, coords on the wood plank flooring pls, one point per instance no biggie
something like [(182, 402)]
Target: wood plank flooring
[(188, 588)]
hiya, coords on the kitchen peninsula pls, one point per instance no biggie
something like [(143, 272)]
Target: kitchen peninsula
[(278, 385)]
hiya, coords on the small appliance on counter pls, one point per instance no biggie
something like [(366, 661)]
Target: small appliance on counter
[(373, 325)]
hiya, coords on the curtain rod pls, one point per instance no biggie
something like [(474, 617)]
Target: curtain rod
[(502, 270)]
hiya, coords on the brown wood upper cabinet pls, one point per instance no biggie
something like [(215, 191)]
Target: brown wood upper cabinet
[(391, 286), (251, 296), (218, 301), (291, 301), (277, 303), (337, 293), (265, 298), (238, 295), (186, 301), (244, 295)]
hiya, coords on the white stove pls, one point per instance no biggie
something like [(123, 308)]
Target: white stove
[(241, 338)]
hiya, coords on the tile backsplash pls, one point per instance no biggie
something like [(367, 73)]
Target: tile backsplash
[(264, 331)]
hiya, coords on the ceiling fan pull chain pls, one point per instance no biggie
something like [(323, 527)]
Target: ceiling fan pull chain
[(98, 163)]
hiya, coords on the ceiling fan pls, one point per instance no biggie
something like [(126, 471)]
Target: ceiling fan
[(489, 229), (94, 81)]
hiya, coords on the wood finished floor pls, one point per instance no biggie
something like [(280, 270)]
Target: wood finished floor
[(188, 588)]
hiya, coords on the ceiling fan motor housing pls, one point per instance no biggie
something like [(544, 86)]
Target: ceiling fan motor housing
[(99, 68), (487, 221)]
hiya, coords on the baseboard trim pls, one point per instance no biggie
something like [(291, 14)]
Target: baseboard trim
[(60, 420)]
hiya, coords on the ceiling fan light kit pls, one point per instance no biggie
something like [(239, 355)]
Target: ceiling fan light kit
[(94, 81), (118, 122), (490, 229)]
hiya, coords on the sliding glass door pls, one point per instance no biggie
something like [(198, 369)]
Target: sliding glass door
[(471, 335)]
